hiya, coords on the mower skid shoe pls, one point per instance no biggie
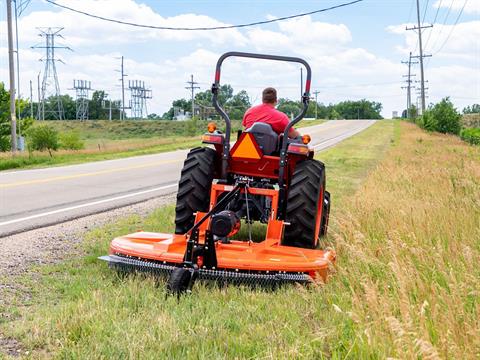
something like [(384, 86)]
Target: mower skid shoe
[(221, 277)]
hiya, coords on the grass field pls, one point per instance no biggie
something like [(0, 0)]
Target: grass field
[(406, 224), (105, 140)]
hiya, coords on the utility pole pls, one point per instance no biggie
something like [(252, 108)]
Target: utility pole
[(409, 83), (12, 78), (316, 92), (31, 100), (19, 116), (419, 27), (123, 92), (192, 88), (38, 95)]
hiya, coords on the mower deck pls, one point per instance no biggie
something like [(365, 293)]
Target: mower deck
[(154, 252)]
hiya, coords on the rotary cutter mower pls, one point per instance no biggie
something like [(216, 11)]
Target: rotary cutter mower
[(263, 177)]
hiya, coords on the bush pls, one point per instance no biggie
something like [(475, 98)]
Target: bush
[(71, 141), (441, 117), (5, 143), (447, 119), (42, 137), (471, 136), (427, 121)]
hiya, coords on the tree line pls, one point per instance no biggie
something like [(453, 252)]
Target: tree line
[(237, 104), (98, 107)]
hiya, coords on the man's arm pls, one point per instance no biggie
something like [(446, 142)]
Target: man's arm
[(293, 133)]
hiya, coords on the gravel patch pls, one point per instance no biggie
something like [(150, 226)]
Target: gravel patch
[(54, 243), (51, 245)]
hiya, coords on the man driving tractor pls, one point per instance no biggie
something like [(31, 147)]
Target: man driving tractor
[(267, 113)]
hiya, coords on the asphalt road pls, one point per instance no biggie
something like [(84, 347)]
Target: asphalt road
[(39, 197)]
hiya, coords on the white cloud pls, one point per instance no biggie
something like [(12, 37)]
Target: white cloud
[(457, 41), (81, 30), (472, 6), (301, 35)]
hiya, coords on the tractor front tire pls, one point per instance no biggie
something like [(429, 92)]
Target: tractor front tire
[(305, 205), (194, 187)]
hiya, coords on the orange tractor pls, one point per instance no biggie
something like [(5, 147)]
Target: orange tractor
[(263, 177)]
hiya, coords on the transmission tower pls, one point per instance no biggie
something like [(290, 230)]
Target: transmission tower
[(409, 83), (50, 87), (82, 87), (138, 98)]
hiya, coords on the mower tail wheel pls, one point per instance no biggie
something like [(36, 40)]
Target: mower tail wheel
[(179, 281), (194, 187), (325, 214), (305, 205)]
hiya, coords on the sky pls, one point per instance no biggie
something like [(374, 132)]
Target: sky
[(355, 52)]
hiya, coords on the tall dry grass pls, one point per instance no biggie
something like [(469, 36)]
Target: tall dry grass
[(409, 248)]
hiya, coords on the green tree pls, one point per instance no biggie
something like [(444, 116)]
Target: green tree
[(42, 137), (237, 105), (153, 116), (334, 115), (181, 104), (362, 109), (96, 104), (289, 107), (473, 109)]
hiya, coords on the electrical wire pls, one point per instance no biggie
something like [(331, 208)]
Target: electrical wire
[(202, 28), (453, 27), (433, 23), (444, 23), (425, 11)]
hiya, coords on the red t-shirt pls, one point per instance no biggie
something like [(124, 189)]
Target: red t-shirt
[(267, 114)]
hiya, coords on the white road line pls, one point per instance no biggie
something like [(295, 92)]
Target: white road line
[(87, 204)]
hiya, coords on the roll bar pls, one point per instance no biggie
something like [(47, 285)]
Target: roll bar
[(218, 107)]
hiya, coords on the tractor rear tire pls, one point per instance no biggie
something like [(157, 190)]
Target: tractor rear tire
[(194, 187), (305, 205)]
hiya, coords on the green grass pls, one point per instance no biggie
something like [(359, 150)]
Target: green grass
[(81, 310)]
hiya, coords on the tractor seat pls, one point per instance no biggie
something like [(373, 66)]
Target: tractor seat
[(266, 138)]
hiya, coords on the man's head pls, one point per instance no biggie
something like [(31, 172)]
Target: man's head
[(269, 96)]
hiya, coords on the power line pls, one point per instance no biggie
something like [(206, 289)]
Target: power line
[(453, 27), (433, 22), (444, 23), (425, 11), (203, 28)]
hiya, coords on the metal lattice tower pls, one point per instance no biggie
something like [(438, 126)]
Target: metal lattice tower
[(138, 98), (50, 87), (82, 87)]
